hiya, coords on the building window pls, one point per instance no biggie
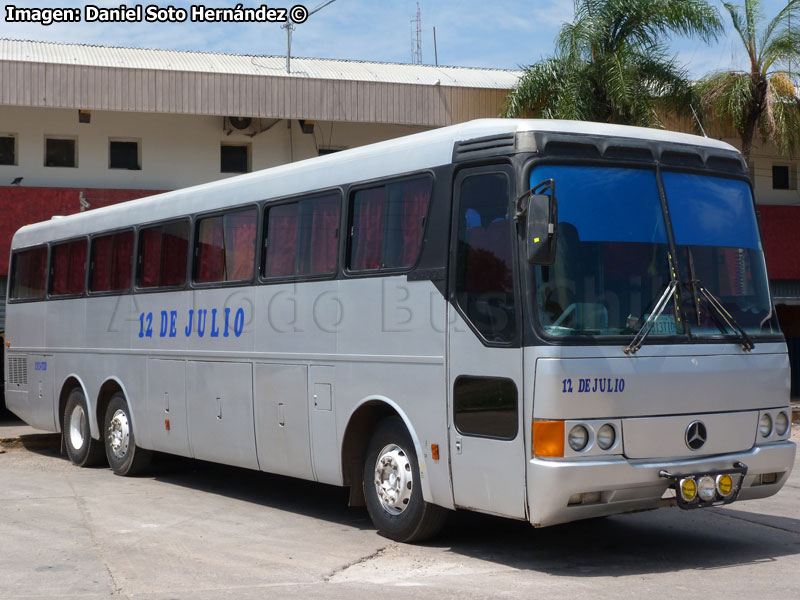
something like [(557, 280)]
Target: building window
[(124, 154), (235, 158), (68, 268), (163, 251), (387, 224), (781, 177), (60, 152), (8, 150), (302, 237), (226, 247)]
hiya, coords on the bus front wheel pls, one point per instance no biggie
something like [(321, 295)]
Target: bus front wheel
[(82, 449), (392, 486), (124, 457)]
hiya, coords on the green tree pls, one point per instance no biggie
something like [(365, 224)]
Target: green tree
[(762, 98), (611, 63)]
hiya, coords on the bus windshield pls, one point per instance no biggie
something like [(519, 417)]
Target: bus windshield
[(612, 261), (719, 251)]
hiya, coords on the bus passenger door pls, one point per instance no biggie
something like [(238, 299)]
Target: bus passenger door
[(487, 450)]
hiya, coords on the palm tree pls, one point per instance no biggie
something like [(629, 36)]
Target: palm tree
[(611, 63), (763, 98)]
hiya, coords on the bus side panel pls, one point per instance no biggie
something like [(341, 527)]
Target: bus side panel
[(66, 323), (111, 321), (25, 334)]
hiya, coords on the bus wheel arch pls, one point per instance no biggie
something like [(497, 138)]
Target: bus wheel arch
[(361, 425), (70, 383)]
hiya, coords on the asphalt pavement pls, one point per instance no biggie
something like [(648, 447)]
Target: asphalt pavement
[(194, 530)]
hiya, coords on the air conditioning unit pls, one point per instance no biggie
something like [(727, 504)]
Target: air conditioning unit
[(246, 125)]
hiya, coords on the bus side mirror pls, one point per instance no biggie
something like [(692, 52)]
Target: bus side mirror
[(541, 229)]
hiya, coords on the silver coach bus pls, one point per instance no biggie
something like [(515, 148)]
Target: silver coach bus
[(542, 320)]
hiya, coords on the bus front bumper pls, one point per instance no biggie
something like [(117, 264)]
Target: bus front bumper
[(563, 490)]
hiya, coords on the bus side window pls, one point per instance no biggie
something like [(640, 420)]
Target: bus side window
[(112, 261), (68, 268), (484, 271), (226, 247), (163, 251), (302, 237), (388, 223), (28, 274)]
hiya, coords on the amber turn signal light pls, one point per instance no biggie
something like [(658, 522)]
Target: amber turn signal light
[(548, 438), (435, 451)]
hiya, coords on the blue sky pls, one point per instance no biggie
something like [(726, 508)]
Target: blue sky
[(475, 33)]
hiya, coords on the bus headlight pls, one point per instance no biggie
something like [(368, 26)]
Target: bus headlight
[(781, 423), (706, 488), (606, 436), (765, 425), (578, 438)]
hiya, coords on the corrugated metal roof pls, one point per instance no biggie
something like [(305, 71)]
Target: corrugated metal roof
[(234, 64)]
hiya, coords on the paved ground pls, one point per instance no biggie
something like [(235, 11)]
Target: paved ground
[(193, 530)]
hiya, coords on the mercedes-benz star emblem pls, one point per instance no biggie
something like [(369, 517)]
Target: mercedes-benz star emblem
[(696, 435)]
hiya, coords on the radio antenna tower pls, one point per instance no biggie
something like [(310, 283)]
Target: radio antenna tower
[(416, 38)]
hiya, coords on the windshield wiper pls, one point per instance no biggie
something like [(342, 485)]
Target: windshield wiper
[(713, 303), (645, 329)]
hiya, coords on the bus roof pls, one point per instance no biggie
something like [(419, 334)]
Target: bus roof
[(400, 155)]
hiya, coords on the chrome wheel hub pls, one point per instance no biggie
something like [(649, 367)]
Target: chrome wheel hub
[(77, 425), (119, 434), (394, 480)]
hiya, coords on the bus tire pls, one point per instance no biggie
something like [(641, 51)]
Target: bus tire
[(82, 449), (392, 486), (124, 456)]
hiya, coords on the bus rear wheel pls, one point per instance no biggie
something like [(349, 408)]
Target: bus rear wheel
[(124, 456), (392, 486), (82, 449)]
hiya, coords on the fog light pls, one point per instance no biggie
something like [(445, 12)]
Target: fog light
[(724, 485), (606, 436), (765, 425), (781, 423), (578, 438), (688, 489), (706, 488), (768, 478)]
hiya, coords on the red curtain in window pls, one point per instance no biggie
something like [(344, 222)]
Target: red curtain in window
[(282, 240), (176, 251), (77, 267), (416, 196), (122, 261), (240, 244), (210, 251), (324, 227), (150, 252), (102, 253), (60, 262), (367, 229)]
